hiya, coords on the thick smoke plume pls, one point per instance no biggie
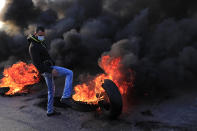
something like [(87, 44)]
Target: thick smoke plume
[(155, 38)]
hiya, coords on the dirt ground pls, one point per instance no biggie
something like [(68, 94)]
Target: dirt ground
[(26, 113)]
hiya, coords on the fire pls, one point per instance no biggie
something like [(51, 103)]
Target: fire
[(18, 76), (91, 92)]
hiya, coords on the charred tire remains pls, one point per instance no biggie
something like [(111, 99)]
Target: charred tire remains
[(4, 90)]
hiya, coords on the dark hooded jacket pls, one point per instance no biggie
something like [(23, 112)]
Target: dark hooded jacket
[(39, 55)]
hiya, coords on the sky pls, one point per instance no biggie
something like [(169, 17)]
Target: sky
[(2, 4)]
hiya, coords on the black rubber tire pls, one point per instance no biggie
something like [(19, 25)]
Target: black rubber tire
[(84, 107), (3, 90), (115, 98)]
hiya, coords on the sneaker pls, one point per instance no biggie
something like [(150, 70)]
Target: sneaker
[(54, 113), (67, 101)]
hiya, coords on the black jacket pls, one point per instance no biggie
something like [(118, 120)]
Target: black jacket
[(39, 55)]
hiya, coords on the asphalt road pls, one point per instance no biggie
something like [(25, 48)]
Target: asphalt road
[(20, 113)]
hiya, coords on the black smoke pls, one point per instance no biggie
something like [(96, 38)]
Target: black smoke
[(155, 38), (20, 12)]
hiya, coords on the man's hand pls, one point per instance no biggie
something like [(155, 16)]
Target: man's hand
[(54, 72)]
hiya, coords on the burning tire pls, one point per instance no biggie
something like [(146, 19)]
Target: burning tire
[(112, 108), (85, 107), (3, 90)]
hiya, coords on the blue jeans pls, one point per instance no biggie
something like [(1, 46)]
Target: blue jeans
[(51, 85)]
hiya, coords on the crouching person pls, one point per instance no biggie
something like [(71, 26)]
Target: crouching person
[(46, 67)]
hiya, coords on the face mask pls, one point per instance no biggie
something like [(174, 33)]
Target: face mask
[(41, 38)]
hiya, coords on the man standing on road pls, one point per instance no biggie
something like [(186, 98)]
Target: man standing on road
[(46, 67)]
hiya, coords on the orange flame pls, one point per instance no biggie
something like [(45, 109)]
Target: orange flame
[(18, 76), (91, 92)]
